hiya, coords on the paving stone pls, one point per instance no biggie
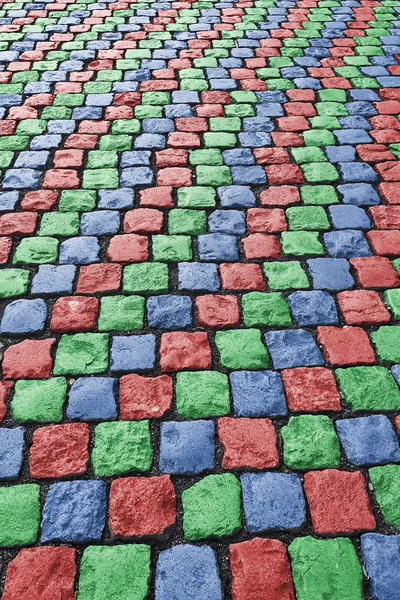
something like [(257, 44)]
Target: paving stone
[(39, 400), (117, 570), (144, 397), (338, 502), (184, 571), (310, 442), (272, 501), (12, 447), (385, 481), (59, 451), (20, 515), (257, 393), (211, 507), (260, 570), (381, 556), (369, 440), (74, 512), (202, 394), (293, 349), (253, 355), (248, 443), (368, 388), (325, 567), (186, 447), (43, 573), (142, 506), (92, 399), (193, 194), (121, 447)]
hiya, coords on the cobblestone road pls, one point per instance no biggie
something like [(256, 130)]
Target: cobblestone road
[(200, 300)]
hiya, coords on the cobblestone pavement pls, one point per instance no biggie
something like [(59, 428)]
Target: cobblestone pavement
[(200, 295)]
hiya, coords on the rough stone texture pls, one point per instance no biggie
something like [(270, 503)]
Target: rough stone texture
[(82, 354), (368, 388), (211, 507), (338, 502), (252, 355), (362, 307), (325, 569), (257, 393), (39, 401), (346, 347), (5, 387), (260, 571), (144, 397), (272, 501), (387, 344), (188, 572), (41, 574), (141, 506), (19, 515), (29, 359), (381, 556), (265, 310), (294, 348), (186, 447), (202, 394), (118, 572), (386, 484), (310, 442), (59, 451), (11, 450), (121, 447), (369, 440), (92, 399), (311, 390), (77, 313), (74, 512), (248, 443), (184, 351), (193, 193)]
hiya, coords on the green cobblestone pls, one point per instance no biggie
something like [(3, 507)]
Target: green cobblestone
[(122, 447), (202, 394), (211, 507), (369, 388), (82, 354), (310, 442), (39, 401), (19, 515)]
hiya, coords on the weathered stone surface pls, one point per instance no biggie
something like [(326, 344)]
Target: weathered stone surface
[(338, 502), (41, 574), (117, 572), (381, 556), (19, 515), (187, 572), (59, 451), (122, 447), (272, 501), (260, 571), (386, 484), (74, 512), (144, 397), (248, 443), (310, 442), (211, 507), (325, 568), (182, 350), (311, 390), (142, 506)]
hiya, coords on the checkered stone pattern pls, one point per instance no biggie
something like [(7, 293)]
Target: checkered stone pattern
[(200, 300)]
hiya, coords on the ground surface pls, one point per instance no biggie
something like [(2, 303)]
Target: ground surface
[(200, 241)]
